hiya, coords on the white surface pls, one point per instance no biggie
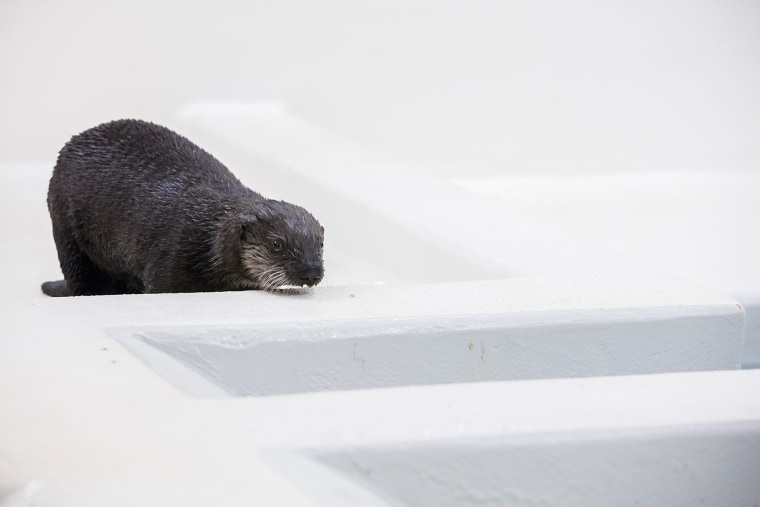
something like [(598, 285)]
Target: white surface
[(623, 436), (751, 302), (698, 227), (670, 469), (287, 357), (93, 426), (476, 91), (490, 87)]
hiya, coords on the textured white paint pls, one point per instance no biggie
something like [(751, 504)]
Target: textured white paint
[(750, 300), (707, 465), (418, 227), (675, 437), (695, 226), (93, 425), (282, 358), (476, 91), (490, 86)]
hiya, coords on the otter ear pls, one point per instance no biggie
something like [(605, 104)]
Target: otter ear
[(263, 213), (247, 227)]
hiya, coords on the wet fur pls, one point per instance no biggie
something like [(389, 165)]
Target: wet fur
[(137, 208)]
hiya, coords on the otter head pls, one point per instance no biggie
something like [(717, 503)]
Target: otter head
[(281, 244)]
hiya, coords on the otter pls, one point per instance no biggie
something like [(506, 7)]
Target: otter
[(137, 208)]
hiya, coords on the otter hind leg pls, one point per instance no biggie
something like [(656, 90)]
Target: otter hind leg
[(56, 289), (82, 276)]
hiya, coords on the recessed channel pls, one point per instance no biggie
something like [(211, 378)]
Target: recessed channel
[(664, 466), (272, 359)]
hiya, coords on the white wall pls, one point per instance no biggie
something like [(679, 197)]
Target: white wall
[(495, 86)]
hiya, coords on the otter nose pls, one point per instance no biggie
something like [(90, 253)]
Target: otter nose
[(311, 274)]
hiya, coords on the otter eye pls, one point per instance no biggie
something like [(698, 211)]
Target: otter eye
[(276, 245)]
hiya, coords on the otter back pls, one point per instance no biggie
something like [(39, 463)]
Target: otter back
[(138, 208)]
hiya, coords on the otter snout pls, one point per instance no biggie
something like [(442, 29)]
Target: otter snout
[(311, 274)]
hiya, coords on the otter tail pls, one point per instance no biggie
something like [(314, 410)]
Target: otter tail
[(56, 289)]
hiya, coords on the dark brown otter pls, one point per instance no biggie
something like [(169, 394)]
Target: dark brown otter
[(137, 208)]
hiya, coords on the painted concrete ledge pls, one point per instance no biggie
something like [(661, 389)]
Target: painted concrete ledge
[(284, 357), (675, 439), (83, 414), (680, 326), (84, 421), (389, 222)]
